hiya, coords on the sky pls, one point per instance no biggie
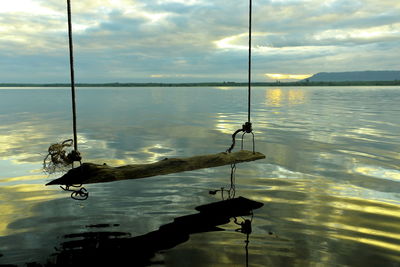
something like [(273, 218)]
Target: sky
[(195, 40)]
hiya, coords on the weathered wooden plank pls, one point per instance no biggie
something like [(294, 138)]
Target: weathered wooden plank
[(89, 173)]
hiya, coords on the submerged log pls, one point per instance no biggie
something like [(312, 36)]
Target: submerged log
[(89, 173)]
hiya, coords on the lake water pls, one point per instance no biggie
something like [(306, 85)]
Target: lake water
[(330, 183)]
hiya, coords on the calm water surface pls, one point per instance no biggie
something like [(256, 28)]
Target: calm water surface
[(330, 182)]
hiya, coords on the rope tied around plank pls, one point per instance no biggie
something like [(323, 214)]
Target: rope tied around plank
[(57, 156), (61, 155)]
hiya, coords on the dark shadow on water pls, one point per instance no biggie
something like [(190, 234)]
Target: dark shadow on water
[(120, 249)]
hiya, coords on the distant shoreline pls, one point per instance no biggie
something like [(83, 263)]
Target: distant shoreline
[(206, 84)]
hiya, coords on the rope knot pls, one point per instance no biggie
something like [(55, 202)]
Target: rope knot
[(74, 155), (247, 127)]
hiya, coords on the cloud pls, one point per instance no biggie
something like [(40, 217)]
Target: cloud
[(196, 40), (282, 76)]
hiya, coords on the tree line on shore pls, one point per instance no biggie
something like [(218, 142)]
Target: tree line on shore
[(207, 84)]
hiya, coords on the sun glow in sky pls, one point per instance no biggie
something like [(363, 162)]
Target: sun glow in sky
[(281, 76), (196, 40)]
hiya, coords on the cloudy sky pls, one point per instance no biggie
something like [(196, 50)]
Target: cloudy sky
[(195, 40)]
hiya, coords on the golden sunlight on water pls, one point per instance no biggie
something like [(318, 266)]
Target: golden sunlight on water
[(296, 97), (321, 207), (226, 124), (274, 97), (18, 195), (25, 136), (378, 172), (277, 97)]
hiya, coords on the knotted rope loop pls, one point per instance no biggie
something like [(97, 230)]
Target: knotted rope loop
[(77, 194), (59, 156), (246, 128)]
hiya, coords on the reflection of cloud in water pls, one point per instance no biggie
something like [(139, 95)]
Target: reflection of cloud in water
[(364, 131), (321, 207), (158, 151), (226, 123), (27, 142), (149, 144), (17, 140), (149, 154), (296, 96), (274, 97), (278, 97), (18, 199), (379, 172), (26, 138), (228, 88), (22, 179)]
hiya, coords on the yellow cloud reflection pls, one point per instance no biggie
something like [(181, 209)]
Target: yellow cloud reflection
[(378, 172), (225, 124), (224, 88), (369, 241), (158, 151), (157, 76), (274, 97), (277, 97), (296, 96), (16, 138), (17, 201), (22, 178), (363, 230)]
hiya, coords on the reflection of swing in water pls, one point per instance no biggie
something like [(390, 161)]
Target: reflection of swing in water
[(119, 249), (93, 173)]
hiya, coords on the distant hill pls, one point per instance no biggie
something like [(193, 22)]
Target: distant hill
[(355, 76)]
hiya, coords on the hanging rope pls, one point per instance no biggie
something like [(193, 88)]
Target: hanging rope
[(247, 127), (71, 64), (245, 228), (82, 193), (232, 189), (61, 155), (57, 154), (249, 70)]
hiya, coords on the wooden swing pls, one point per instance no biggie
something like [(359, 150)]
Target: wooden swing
[(88, 173)]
